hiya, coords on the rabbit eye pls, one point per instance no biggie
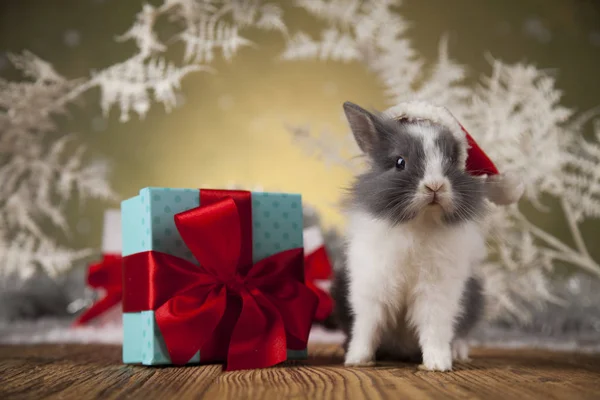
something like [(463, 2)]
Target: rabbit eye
[(400, 163)]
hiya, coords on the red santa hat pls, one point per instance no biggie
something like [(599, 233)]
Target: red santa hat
[(502, 189)]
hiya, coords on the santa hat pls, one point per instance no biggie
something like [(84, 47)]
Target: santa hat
[(502, 189)]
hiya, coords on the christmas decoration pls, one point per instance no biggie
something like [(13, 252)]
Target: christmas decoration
[(214, 275), (39, 175)]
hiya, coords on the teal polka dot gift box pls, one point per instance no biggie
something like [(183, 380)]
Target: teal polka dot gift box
[(214, 276)]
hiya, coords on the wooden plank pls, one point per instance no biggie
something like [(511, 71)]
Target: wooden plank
[(95, 371)]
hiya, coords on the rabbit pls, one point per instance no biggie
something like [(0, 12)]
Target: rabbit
[(408, 290)]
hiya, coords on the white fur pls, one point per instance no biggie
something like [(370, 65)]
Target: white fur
[(421, 110), (504, 189), (415, 271)]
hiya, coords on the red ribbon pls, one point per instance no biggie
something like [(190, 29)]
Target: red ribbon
[(317, 266), (106, 275), (227, 307)]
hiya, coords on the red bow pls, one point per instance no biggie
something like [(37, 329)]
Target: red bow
[(227, 308), (317, 266), (106, 275)]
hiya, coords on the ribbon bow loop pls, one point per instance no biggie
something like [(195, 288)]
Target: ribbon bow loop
[(213, 235)]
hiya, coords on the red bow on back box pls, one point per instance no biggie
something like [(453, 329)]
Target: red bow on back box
[(317, 269), (227, 308), (107, 275)]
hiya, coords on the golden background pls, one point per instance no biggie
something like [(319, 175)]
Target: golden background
[(232, 125)]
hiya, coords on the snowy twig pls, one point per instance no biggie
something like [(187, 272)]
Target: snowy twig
[(564, 252), (574, 229)]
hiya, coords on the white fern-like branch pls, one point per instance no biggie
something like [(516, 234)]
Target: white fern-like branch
[(338, 12), (515, 114), (334, 45), (203, 38), (581, 178), (40, 176), (271, 18), (133, 83), (331, 149), (142, 32), (204, 26), (24, 256)]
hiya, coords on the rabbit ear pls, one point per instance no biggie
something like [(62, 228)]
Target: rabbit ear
[(362, 126)]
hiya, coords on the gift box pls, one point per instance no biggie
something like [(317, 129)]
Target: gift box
[(216, 272)]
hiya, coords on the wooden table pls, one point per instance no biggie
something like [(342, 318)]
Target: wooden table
[(95, 371)]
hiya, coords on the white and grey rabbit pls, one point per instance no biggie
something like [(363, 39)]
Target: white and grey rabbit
[(407, 290)]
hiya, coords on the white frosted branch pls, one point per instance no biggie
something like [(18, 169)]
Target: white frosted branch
[(574, 229), (565, 252)]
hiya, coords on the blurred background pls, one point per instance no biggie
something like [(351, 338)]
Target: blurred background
[(233, 120), (231, 126)]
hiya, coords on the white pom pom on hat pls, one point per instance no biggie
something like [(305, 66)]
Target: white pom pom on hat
[(502, 189)]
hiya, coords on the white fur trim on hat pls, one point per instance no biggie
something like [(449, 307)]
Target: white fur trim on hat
[(504, 189), (415, 110), (422, 110)]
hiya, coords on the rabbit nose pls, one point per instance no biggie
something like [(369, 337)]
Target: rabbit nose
[(434, 186)]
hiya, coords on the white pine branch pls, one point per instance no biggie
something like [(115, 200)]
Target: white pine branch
[(40, 177), (204, 37), (132, 84), (187, 10), (301, 47), (25, 255), (33, 67), (142, 32), (34, 172), (327, 147), (342, 12), (271, 18), (333, 45)]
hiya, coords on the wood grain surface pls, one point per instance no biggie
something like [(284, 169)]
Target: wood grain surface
[(96, 372)]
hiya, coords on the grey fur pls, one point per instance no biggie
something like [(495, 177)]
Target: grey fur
[(468, 191), (473, 302), (343, 316), (386, 192)]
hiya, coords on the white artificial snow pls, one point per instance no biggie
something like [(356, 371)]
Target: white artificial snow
[(59, 331)]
